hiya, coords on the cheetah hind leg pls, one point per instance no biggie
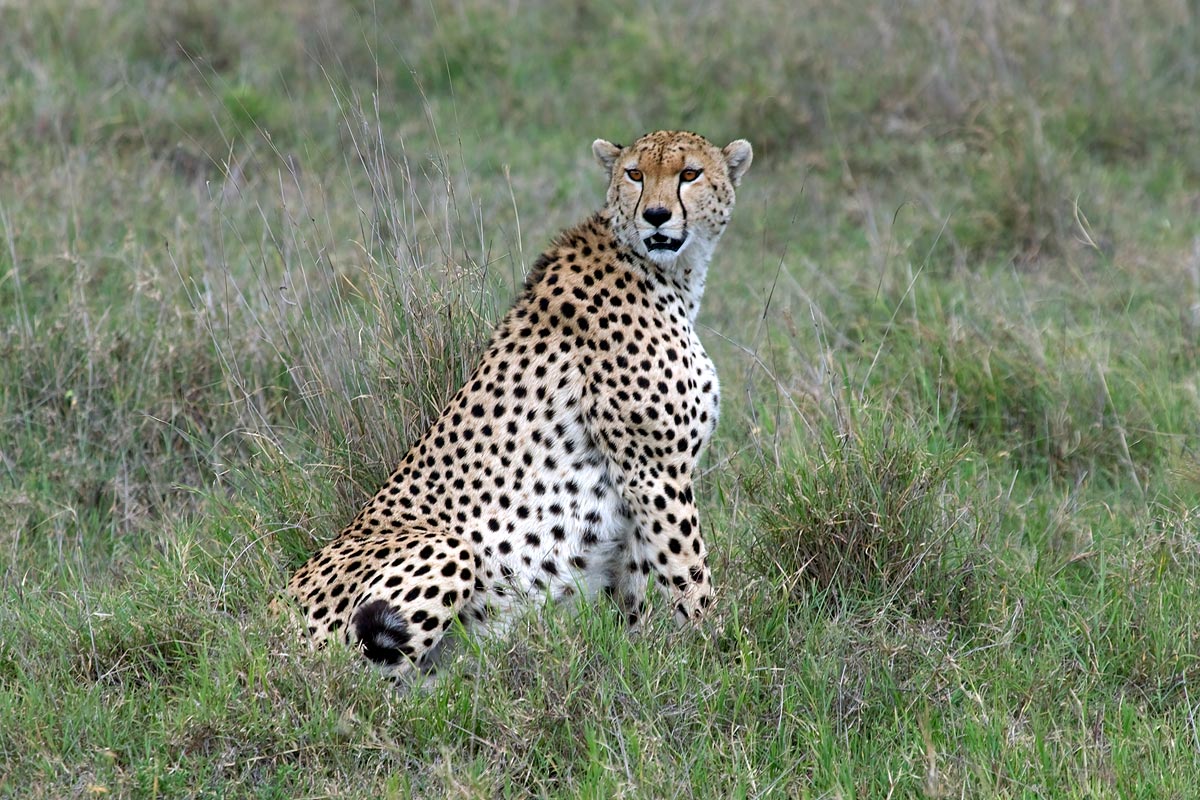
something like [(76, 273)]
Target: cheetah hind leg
[(409, 600)]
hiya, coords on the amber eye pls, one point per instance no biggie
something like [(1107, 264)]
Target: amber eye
[(689, 175), (634, 175)]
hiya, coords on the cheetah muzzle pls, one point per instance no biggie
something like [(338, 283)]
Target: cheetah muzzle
[(564, 466)]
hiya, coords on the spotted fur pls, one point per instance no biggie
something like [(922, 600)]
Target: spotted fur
[(564, 467)]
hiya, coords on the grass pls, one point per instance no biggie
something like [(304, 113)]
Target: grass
[(954, 501)]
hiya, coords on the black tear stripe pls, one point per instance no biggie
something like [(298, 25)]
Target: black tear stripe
[(679, 197)]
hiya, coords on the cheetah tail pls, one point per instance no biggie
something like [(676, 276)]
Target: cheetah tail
[(382, 632)]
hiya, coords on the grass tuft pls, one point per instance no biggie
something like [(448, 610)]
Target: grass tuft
[(872, 515)]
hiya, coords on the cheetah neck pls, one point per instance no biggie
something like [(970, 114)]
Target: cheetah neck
[(686, 275)]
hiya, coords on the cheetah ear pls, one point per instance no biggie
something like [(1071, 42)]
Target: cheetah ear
[(606, 153), (738, 155)]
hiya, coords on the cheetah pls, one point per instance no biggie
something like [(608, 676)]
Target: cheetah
[(564, 467)]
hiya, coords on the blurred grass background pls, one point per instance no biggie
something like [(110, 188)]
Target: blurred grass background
[(248, 249)]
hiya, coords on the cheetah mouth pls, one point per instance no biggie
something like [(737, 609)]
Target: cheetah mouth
[(660, 241)]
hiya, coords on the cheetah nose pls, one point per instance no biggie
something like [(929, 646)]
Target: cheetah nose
[(656, 216)]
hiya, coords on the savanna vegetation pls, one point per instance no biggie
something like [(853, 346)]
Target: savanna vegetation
[(248, 249)]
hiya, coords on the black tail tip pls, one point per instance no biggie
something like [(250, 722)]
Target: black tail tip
[(382, 632)]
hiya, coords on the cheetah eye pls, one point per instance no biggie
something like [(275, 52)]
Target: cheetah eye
[(635, 175), (689, 175)]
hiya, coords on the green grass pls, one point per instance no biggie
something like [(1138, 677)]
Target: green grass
[(953, 506)]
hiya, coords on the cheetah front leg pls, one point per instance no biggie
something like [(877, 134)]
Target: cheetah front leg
[(667, 542)]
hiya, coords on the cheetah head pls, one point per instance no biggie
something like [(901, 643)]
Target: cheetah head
[(671, 192)]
